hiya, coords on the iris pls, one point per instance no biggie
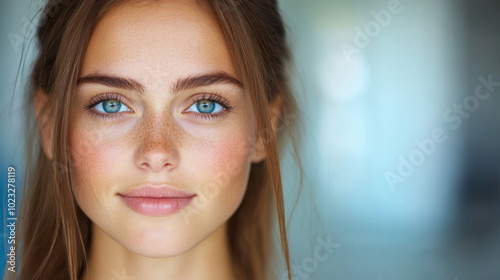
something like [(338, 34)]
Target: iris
[(205, 106), (111, 106)]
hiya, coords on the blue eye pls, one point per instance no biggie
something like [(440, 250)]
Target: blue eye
[(206, 107), (111, 106)]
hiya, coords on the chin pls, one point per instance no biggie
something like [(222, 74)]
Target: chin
[(159, 244)]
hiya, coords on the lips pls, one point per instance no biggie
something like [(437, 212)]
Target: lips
[(156, 201)]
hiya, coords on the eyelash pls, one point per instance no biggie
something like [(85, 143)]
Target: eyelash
[(216, 98)]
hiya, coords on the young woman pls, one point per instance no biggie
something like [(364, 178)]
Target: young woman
[(158, 125)]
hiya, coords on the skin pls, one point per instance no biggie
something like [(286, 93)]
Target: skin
[(159, 139)]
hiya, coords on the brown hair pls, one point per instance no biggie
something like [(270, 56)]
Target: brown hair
[(55, 233)]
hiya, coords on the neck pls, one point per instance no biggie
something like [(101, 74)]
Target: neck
[(208, 260)]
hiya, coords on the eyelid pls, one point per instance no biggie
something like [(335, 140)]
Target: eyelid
[(103, 97), (214, 97)]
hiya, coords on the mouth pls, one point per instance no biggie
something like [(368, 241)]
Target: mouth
[(156, 201)]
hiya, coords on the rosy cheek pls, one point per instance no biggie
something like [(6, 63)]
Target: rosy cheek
[(94, 160), (235, 156), (225, 159)]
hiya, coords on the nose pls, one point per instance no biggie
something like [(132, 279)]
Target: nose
[(158, 146)]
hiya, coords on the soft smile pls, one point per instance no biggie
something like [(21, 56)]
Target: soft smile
[(156, 201)]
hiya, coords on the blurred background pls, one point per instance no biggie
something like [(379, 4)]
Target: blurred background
[(401, 109)]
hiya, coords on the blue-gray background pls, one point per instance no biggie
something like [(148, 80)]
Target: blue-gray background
[(376, 80)]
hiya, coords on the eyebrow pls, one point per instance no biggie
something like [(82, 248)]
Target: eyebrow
[(180, 85)]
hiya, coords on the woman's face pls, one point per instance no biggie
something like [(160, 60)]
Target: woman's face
[(159, 103)]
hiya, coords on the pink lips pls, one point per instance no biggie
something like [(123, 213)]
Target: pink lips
[(156, 201)]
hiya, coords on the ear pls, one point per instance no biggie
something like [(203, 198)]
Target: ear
[(259, 152), (44, 122)]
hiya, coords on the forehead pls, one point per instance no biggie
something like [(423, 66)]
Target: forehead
[(166, 39)]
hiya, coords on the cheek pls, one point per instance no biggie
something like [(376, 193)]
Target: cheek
[(94, 162), (230, 156), (222, 165)]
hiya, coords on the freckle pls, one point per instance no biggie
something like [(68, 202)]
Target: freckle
[(151, 128)]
